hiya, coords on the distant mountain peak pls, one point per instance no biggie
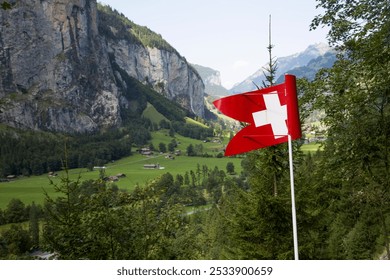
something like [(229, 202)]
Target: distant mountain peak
[(320, 48), (286, 64), (209, 75), (212, 80)]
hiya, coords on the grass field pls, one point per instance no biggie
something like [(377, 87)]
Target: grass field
[(151, 113), (31, 189), (311, 147), (211, 148), (194, 122), (27, 189)]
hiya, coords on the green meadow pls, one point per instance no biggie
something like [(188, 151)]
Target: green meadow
[(151, 113), (32, 188), (29, 189), (311, 147)]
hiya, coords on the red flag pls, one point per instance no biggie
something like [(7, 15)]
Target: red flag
[(272, 114)]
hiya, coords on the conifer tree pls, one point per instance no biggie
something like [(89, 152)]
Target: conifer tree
[(355, 96), (34, 224), (259, 218)]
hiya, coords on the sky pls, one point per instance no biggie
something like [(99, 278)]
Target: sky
[(227, 35)]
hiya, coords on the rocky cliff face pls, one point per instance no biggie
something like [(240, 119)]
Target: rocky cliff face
[(165, 71), (56, 69), (212, 81)]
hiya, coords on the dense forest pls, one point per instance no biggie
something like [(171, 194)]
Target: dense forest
[(342, 191)]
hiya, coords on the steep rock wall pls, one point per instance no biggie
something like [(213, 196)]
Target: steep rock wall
[(167, 72), (56, 69), (51, 56)]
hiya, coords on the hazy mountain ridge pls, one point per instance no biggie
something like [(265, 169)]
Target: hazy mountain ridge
[(309, 71), (212, 81), (321, 53)]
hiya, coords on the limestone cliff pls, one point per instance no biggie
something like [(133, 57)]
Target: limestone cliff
[(56, 68), (212, 81), (167, 72)]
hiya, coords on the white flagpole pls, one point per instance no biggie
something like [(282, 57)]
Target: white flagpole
[(294, 215)]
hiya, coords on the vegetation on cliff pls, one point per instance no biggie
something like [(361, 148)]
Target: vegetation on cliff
[(116, 26)]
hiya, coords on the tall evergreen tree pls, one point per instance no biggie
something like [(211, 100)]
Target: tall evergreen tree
[(34, 224), (355, 96), (259, 219)]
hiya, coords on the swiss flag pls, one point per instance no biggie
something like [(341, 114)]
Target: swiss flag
[(272, 114)]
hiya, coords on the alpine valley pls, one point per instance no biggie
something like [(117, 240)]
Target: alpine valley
[(110, 148), (78, 66)]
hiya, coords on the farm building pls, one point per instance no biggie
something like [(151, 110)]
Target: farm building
[(153, 166), (146, 152), (99, 167)]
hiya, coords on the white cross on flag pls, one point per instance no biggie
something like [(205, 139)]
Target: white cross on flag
[(275, 114), (272, 114)]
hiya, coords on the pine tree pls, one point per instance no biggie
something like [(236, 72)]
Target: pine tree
[(34, 224), (272, 159), (259, 218), (270, 70), (356, 103)]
